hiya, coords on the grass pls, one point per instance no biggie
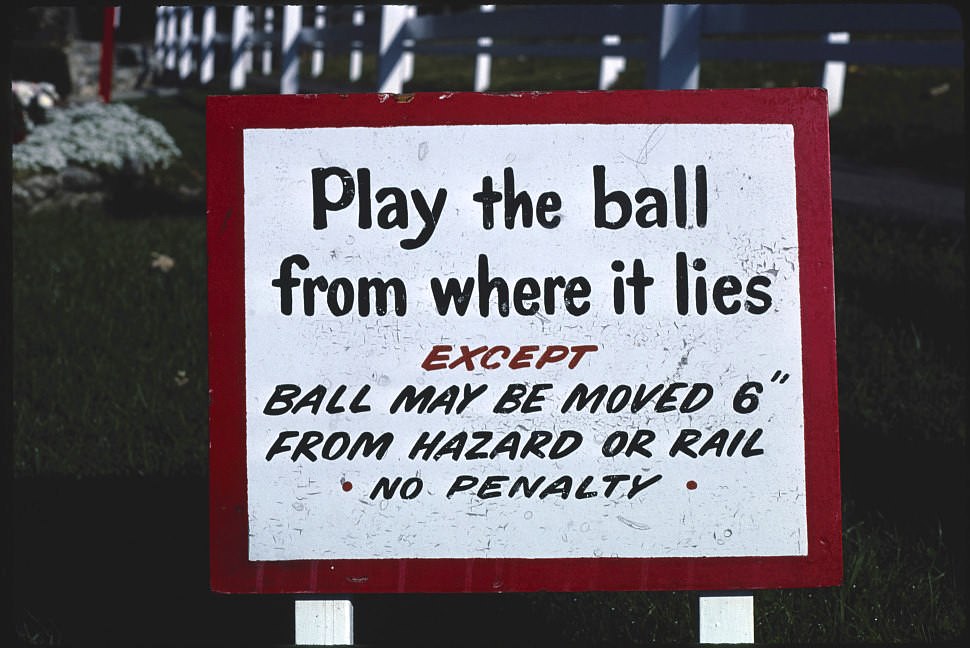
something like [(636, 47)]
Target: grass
[(897, 588), (110, 374), (100, 339)]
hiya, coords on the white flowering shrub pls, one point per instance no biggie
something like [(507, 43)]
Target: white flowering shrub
[(98, 136)]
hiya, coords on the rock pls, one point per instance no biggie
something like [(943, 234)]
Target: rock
[(19, 200), (73, 189), (78, 179), (84, 201), (40, 186), (73, 202), (19, 194), (190, 194)]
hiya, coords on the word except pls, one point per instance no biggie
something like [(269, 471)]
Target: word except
[(440, 358)]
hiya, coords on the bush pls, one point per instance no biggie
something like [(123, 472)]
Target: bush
[(108, 138)]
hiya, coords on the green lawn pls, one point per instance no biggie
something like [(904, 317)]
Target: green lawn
[(110, 365)]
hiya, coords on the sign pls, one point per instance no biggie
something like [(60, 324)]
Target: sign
[(559, 341)]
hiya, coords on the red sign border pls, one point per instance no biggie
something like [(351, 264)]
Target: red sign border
[(231, 571)]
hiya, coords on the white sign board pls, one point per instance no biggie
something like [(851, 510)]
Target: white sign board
[(523, 341), (638, 356)]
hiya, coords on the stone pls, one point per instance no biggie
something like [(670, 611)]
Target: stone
[(80, 179), (190, 194), (94, 200), (41, 186)]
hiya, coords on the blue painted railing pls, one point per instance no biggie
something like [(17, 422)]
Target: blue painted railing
[(672, 40)]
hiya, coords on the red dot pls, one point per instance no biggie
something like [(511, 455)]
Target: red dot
[(346, 486), (691, 485)]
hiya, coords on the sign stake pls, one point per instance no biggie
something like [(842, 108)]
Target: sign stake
[(324, 622), (727, 618)]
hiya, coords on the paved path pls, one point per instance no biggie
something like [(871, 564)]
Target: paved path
[(898, 191)]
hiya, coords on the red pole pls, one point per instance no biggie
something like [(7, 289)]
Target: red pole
[(107, 53)]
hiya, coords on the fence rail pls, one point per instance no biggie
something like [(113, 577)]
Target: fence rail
[(671, 39)]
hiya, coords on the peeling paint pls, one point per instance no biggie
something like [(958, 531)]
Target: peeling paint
[(386, 352)]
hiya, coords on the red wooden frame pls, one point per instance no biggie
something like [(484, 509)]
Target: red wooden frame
[(231, 571)]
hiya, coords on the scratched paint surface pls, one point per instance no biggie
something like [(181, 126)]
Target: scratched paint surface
[(707, 505)]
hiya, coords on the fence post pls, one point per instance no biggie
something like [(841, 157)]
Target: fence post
[(237, 47), (107, 53), (833, 75), (390, 67), (327, 622), (185, 44), (160, 23), (249, 31), (407, 61), (726, 618), (319, 22), (356, 56), (207, 53), (290, 46), (268, 45), (483, 60), (170, 31), (610, 66), (676, 64)]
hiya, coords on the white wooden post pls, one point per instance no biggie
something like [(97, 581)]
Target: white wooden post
[(726, 619), (833, 75), (159, 53), (185, 44), (170, 32), (324, 622), (407, 59), (292, 22), (610, 66), (268, 45), (483, 60), (237, 69), (356, 55), (319, 22), (250, 30), (207, 68), (390, 69), (677, 62)]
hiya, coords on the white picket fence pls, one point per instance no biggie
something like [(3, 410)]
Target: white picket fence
[(671, 39)]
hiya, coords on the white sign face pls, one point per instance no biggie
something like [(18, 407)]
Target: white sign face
[(523, 341)]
